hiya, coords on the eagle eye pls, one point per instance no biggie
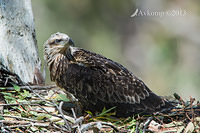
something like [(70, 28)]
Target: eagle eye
[(57, 40)]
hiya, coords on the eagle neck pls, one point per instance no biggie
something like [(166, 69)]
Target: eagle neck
[(58, 66)]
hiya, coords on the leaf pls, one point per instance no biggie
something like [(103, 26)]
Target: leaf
[(9, 98), (104, 111), (17, 88), (189, 128), (105, 115), (173, 124), (51, 92), (89, 113), (33, 113), (107, 119), (6, 94), (22, 101), (34, 129), (1, 118), (6, 111), (132, 124), (110, 114), (133, 129), (62, 123), (43, 116), (61, 97), (24, 95), (180, 129)]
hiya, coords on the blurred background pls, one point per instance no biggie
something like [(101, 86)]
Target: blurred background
[(159, 41)]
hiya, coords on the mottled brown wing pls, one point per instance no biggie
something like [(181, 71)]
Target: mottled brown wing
[(102, 81)]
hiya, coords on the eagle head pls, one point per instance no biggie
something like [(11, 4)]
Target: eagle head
[(57, 44)]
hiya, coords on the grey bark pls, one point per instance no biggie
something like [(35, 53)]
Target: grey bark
[(18, 46)]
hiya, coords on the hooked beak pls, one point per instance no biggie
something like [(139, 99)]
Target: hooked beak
[(66, 46), (70, 42)]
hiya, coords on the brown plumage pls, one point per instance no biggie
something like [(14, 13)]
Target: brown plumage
[(97, 81)]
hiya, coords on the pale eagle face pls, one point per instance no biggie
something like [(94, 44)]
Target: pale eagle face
[(57, 44)]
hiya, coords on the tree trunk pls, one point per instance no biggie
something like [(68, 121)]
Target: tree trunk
[(18, 46)]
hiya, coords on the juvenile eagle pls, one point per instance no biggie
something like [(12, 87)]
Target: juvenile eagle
[(97, 81)]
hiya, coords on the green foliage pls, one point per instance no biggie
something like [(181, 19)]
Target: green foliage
[(10, 99), (18, 96), (108, 112), (24, 95), (89, 112), (17, 88), (35, 113), (1, 117), (42, 116), (21, 96), (128, 123), (61, 97), (105, 115)]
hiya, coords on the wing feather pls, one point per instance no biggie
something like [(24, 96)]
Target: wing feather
[(113, 83)]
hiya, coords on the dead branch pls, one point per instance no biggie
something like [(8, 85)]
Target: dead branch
[(22, 118), (34, 87), (60, 111)]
